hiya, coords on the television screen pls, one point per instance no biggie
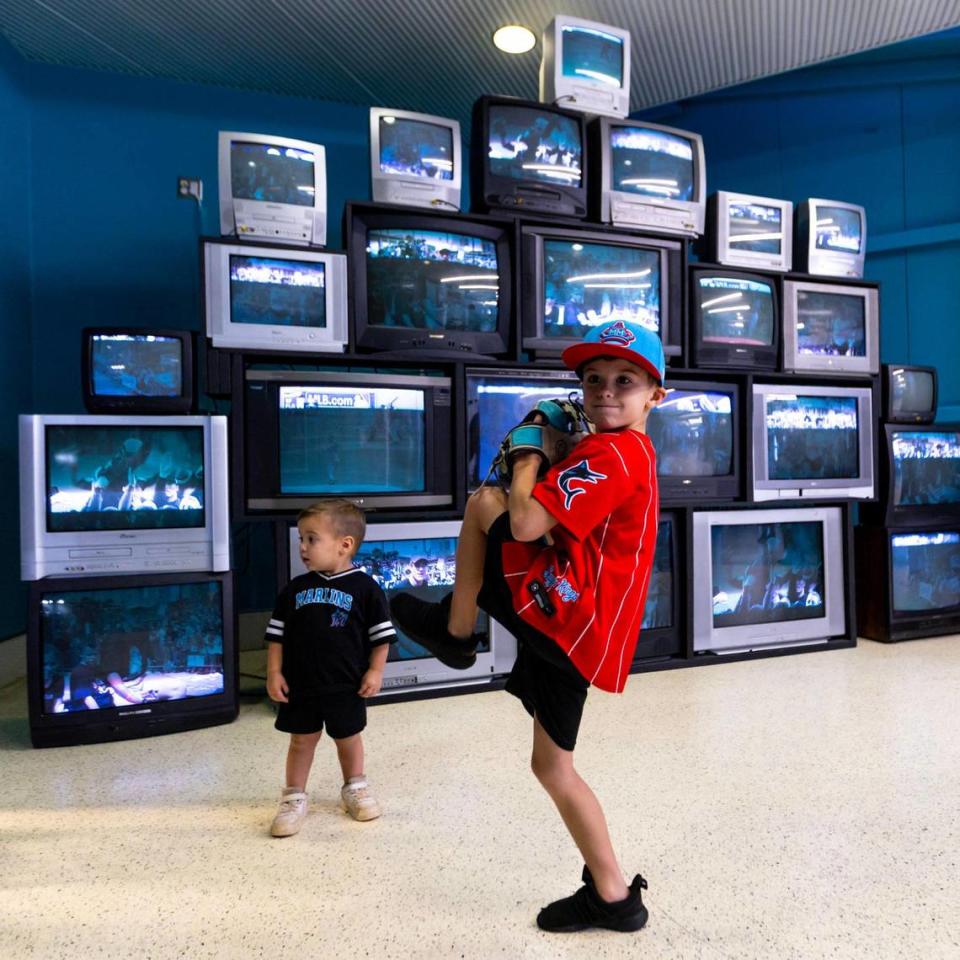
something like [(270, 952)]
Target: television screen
[(812, 437), (926, 467), (414, 148), (277, 292), (592, 55), (432, 280), (261, 171), (754, 227), (124, 477), (109, 648), (426, 568), (911, 391), (735, 310), (652, 163), (539, 145), (335, 439), (586, 284), (838, 229), (926, 571), (766, 572), (658, 612), (692, 432), (136, 365), (497, 402), (831, 324)]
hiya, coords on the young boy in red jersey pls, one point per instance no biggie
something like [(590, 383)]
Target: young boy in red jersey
[(574, 603)]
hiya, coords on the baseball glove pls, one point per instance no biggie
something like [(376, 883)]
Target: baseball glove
[(551, 429)]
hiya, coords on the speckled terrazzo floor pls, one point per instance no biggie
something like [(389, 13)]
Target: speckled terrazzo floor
[(799, 807)]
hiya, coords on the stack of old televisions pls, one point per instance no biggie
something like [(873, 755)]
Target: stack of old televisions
[(389, 373), (908, 544), (125, 543)]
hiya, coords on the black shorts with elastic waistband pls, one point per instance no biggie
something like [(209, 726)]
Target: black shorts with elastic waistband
[(543, 678)]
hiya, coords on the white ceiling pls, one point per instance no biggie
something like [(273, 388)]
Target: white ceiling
[(436, 55)]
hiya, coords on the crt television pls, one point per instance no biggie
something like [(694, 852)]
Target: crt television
[(812, 441), (497, 400), (734, 318), (647, 176), (661, 630), (919, 476), (829, 327), (260, 297), (574, 280), (831, 238), (748, 231), (415, 159), (528, 158), (420, 558), (272, 188), (763, 579), (908, 582), (129, 370), (115, 658), (696, 434), (117, 494), (909, 393), (427, 285), (381, 440), (586, 66)]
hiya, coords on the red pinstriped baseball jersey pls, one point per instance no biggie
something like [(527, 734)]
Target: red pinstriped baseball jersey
[(587, 591)]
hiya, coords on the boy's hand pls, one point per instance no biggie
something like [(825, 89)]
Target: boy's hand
[(371, 682), (277, 688)]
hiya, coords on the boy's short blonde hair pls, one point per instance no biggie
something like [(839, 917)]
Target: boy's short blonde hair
[(344, 516)]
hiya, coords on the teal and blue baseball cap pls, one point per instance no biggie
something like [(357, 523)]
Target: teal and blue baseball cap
[(619, 338)]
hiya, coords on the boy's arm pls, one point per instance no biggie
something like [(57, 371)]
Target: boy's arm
[(276, 684), (529, 520), (373, 679)]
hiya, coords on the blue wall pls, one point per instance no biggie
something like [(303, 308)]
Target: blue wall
[(879, 129)]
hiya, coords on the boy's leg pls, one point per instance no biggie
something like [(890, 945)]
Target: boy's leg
[(350, 755), (300, 758), (483, 507), (356, 796), (581, 812)]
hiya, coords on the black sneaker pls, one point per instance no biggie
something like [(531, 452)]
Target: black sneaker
[(427, 624), (586, 909)]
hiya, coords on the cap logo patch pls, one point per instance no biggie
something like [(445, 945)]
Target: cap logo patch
[(618, 334)]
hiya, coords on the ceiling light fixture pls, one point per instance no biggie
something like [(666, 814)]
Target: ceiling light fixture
[(514, 39)]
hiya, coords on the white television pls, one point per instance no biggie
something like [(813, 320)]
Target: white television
[(764, 579), (651, 177), (415, 159), (748, 231), (122, 494), (419, 557), (586, 67), (831, 238), (261, 297), (272, 188)]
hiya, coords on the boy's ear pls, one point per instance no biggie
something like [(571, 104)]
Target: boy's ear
[(658, 396)]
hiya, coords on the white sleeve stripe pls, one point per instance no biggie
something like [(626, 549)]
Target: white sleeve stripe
[(275, 632), (623, 464), (276, 623), (377, 626), (386, 631)]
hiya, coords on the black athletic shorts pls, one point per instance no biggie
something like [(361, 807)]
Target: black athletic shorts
[(543, 678), (343, 714)]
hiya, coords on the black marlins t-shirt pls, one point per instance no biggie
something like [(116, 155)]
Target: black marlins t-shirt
[(328, 626)]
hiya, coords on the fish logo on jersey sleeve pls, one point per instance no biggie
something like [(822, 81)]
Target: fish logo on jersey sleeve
[(579, 472)]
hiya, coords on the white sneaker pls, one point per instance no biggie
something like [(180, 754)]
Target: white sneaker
[(358, 800), (290, 814)]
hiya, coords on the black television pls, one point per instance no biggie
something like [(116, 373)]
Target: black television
[(379, 439), (908, 582), (134, 370), (528, 158), (661, 630), (696, 434), (426, 284), (734, 318), (115, 658), (919, 476), (497, 399), (574, 280), (909, 393)]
